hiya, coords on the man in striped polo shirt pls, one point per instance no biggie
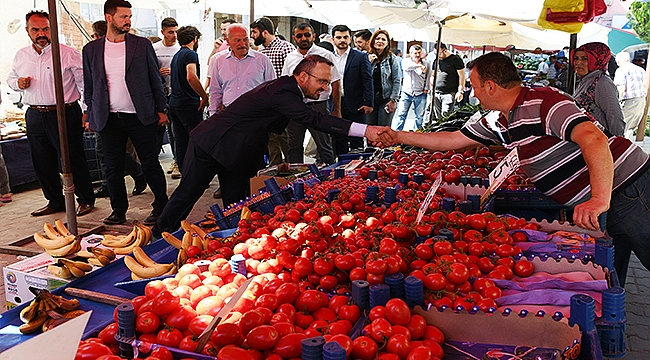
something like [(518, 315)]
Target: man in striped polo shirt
[(564, 152)]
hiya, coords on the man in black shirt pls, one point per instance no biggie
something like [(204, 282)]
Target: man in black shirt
[(450, 82)]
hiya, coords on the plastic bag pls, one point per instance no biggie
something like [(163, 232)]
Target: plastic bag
[(565, 5), (592, 9), (570, 27)]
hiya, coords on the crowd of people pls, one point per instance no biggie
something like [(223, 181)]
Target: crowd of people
[(263, 93)]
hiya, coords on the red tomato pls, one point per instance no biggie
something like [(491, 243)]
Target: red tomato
[(458, 273), (153, 288), (420, 353), (433, 333), (378, 312), (519, 236), (344, 341), (398, 312), (263, 337), (107, 335), (162, 354), (189, 343), (310, 300), (524, 268), (199, 323), (181, 317), (399, 344), (91, 351), (364, 348), (169, 337), (226, 334), (491, 292), (417, 326), (476, 221), (443, 248), (350, 313), (109, 357), (289, 346), (137, 302), (435, 347), (165, 302), (231, 352), (380, 330), (435, 281), (147, 322)]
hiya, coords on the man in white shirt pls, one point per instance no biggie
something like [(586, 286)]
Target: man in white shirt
[(125, 99), (165, 51), (32, 74), (237, 70), (630, 81), (303, 36), (415, 87)]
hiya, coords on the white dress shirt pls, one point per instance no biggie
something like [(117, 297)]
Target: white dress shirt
[(230, 77), (29, 63), (341, 61), (294, 58)]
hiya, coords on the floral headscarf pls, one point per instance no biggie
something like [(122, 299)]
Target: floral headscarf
[(598, 55)]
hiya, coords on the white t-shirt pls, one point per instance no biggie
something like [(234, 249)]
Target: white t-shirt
[(165, 55), (119, 97)]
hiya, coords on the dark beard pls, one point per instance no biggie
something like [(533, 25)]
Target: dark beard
[(196, 46), (120, 31), (259, 40)]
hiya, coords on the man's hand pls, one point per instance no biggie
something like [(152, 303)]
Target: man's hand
[(165, 71), (217, 43), (365, 109), (203, 104), (336, 113), (391, 106), (24, 82), (84, 122), (585, 215), (459, 96), (381, 136), (163, 120)]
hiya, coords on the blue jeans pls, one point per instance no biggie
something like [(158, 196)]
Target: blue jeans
[(379, 116), (629, 226), (419, 103)]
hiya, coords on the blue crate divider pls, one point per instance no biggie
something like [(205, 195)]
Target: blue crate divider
[(611, 325), (582, 313), (312, 348)]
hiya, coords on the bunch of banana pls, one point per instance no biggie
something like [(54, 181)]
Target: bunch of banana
[(58, 241), (124, 244), (66, 269), (46, 306), (143, 267), (97, 256), (193, 236)]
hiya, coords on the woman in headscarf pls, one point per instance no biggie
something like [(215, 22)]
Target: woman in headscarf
[(387, 79), (596, 92)]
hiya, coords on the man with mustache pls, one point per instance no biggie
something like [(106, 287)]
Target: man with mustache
[(188, 98), (125, 99), (32, 74)]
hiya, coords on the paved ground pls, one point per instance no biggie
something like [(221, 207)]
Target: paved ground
[(18, 224)]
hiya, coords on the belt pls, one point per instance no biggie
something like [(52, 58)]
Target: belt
[(48, 108), (123, 115), (316, 102)]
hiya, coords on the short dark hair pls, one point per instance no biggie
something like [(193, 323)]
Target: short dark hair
[(262, 24), (365, 34), (341, 28), (309, 62), (168, 22), (187, 34), (110, 6), (496, 67), (99, 27), (36, 13), (443, 46), (326, 45), (229, 21), (302, 26)]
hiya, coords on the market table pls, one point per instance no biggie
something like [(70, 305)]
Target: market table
[(18, 159)]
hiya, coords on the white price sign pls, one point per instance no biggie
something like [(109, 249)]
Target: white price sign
[(429, 198), (498, 176)]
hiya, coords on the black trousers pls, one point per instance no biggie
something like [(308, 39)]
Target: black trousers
[(118, 128), (43, 140), (199, 170), (132, 167)]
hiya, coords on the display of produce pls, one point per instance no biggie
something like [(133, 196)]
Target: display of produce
[(47, 311)]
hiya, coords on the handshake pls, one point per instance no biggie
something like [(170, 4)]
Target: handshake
[(382, 136)]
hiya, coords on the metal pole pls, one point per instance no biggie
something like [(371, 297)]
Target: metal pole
[(571, 82), (435, 73), (68, 184), (640, 132), (252, 11)]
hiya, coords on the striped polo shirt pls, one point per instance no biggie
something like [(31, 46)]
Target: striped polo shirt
[(539, 125)]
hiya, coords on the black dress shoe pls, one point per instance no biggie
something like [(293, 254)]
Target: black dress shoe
[(139, 188), (84, 209), (115, 219), (101, 192), (46, 210), (153, 217)]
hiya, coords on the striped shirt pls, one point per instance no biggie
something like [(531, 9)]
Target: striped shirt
[(539, 126), (277, 51), (632, 77)]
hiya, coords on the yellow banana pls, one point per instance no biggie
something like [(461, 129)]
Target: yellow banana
[(52, 244), (197, 241), (172, 240), (85, 254), (68, 304), (135, 277), (172, 270), (69, 249), (245, 213), (95, 262), (30, 312), (197, 229), (51, 232), (129, 249), (59, 271), (187, 240), (110, 254), (75, 271), (186, 226), (182, 257), (119, 241), (34, 325), (142, 257), (61, 228), (148, 234), (205, 242), (145, 271), (78, 264)]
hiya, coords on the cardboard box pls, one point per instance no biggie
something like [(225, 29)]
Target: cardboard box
[(31, 272)]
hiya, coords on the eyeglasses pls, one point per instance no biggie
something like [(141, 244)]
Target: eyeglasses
[(320, 81), (299, 36)]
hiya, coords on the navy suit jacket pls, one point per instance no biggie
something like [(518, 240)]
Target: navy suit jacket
[(358, 87), (238, 136), (142, 79)]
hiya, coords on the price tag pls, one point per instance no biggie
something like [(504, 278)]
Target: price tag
[(429, 198), (498, 176)]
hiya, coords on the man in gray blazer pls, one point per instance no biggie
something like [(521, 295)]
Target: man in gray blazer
[(125, 99)]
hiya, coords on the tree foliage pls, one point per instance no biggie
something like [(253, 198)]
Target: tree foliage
[(639, 16)]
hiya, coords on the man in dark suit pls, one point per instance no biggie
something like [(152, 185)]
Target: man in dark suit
[(357, 98), (125, 99), (231, 143)]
